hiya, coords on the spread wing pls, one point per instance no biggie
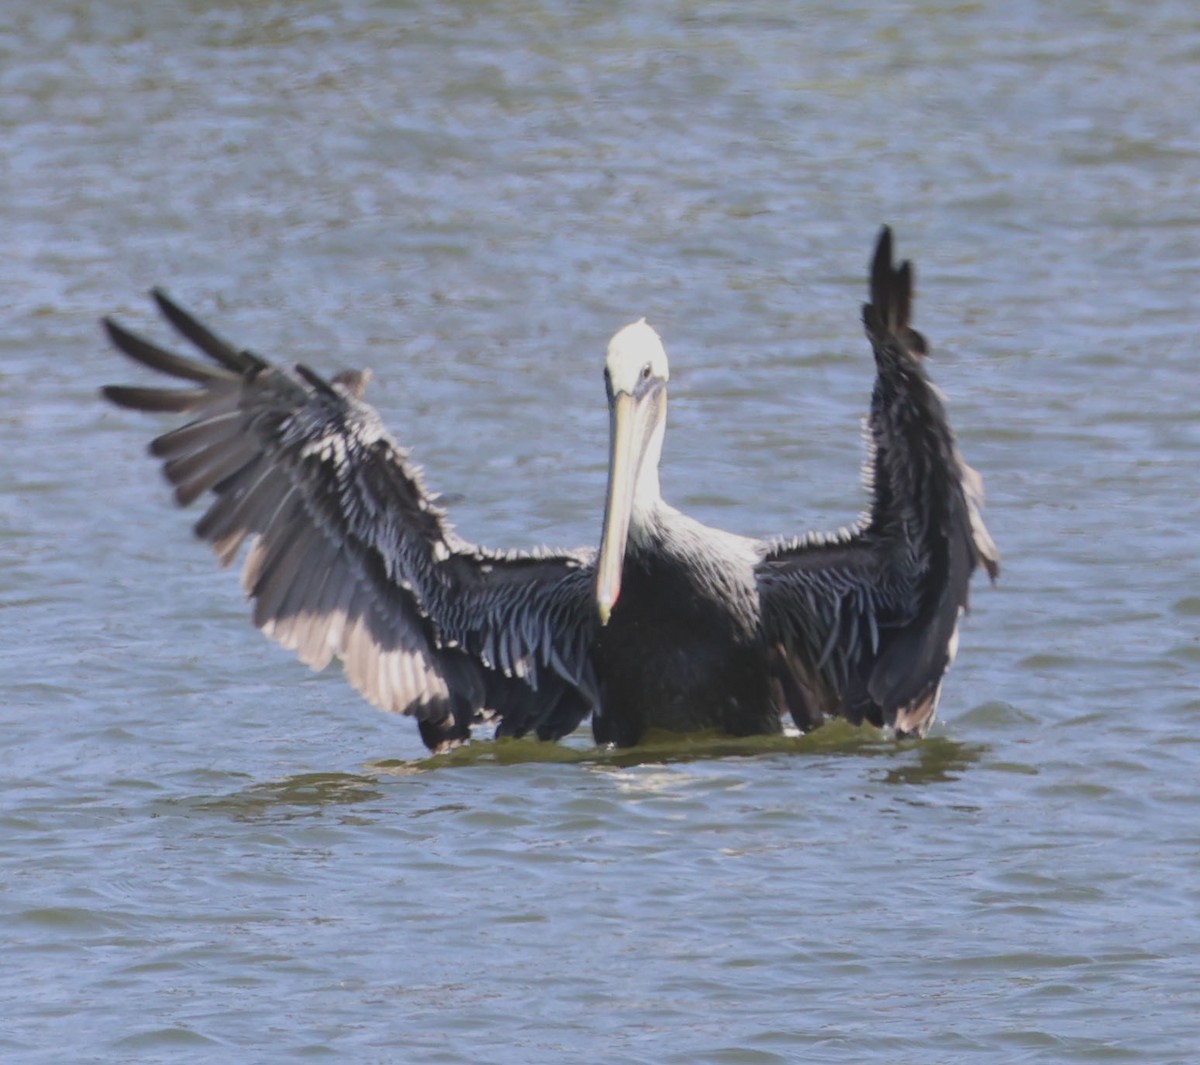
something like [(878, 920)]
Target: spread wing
[(866, 622), (830, 608), (349, 555)]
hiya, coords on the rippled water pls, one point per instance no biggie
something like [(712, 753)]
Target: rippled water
[(209, 853)]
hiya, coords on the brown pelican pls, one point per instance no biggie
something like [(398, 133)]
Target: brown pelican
[(670, 625)]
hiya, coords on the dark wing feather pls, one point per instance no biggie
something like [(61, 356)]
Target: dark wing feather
[(829, 606), (349, 556), (883, 601)]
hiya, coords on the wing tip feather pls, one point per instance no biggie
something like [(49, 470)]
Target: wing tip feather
[(889, 312)]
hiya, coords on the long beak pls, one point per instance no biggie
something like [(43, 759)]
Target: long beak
[(629, 430)]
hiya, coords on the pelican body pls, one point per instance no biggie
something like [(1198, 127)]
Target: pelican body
[(668, 625), (684, 648)]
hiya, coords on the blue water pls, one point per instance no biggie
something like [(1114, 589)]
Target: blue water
[(209, 853)]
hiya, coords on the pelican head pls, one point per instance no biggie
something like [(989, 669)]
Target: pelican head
[(635, 375)]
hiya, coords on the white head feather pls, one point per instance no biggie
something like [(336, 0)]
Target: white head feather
[(630, 351)]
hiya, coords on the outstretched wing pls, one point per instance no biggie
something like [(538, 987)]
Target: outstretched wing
[(350, 557), (867, 621), (830, 606)]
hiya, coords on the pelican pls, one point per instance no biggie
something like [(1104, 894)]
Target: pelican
[(669, 625)]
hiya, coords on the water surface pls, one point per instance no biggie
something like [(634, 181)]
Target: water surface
[(209, 853)]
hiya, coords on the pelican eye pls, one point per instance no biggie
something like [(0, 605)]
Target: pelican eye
[(646, 372)]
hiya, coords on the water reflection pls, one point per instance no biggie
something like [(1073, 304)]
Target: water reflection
[(306, 795), (937, 760), (303, 795)]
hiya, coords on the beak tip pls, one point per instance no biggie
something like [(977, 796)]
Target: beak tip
[(605, 611)]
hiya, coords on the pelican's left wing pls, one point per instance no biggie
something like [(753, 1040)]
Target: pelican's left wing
[(829, 604), (867, 621), (350, 557)]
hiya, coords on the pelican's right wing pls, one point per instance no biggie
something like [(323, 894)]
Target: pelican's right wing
[(349, 555)]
